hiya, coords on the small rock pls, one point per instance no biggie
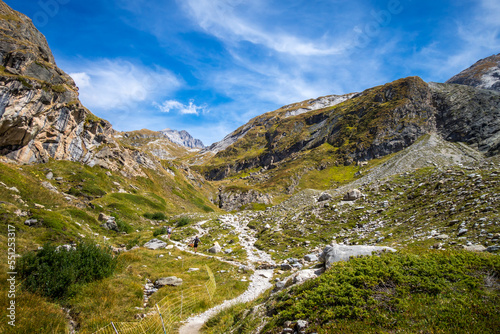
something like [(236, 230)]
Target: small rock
[(49, 176), (31, 222), (215, 249), (475, 248), (493, 249), (171, 281), (311, 258), (324, 197), (462, 231), (352, 195), (155, 244)]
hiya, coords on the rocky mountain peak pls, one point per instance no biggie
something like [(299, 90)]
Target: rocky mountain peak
[(183, 138), (483, 74), (41, 117)]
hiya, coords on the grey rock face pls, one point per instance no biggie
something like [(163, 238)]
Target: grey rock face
[(155, 244), (41, 116), (338, 253), (183, 138), (483, 74), (233, 199)]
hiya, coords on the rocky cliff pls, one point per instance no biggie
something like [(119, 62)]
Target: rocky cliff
[(484, 74), (41, 116)]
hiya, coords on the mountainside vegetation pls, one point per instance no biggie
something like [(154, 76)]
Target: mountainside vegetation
[(409, 165)]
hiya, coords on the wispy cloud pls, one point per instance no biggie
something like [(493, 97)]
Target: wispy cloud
[(190, 108), (237, 20), (116, 84)]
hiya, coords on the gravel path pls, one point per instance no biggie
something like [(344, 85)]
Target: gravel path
[(259, 281)]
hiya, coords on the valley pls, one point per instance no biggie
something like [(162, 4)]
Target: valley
[(409, 166)]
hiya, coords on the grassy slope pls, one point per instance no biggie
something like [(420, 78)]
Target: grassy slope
[(64, 219)]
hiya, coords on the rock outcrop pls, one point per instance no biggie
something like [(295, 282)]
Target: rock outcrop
[(41, 116), (234, 199), (484, 74)]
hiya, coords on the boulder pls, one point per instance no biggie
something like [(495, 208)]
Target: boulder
[(49, 176), (336, 253), (155, 244), (104, 218), (110, 225), (493, 249), (304, 275), (352, 195), (49, 186), (324, 197), (171, 280), (216, 248), (475, 248), (31, 222), (311, 258)]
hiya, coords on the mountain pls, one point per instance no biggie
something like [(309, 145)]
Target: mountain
[(369, 125), (483, 74), (183, 138)]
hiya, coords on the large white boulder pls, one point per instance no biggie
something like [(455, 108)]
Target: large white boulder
[(336, 253)]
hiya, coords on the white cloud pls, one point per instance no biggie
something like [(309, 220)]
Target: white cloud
[(184, 109), (231, 21), (119, 84)]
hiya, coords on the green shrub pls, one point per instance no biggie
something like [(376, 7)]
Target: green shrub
[(53, 273), (123, 226), (160, 231), (183, 221), (134, 242), (155, 216), (436, 292)]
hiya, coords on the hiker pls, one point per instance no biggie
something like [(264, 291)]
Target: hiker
[(169, 231), (196, 241)]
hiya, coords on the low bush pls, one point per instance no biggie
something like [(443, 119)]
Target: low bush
[(155, 216), (183, 221), (123, 226), (54, 272), (160, 231)]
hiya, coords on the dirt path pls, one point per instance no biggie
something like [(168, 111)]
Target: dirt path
[(259, 281)]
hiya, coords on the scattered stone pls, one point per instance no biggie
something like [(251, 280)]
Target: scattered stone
[(462, 231), (285, 266), (155, 244), (441, 237), (475, 248), (324, 197), (171, 281), (304, 275), (49, 186), (110, 225), (311, 257), (216, 248), (49, 176), (493, 249), (193, 269), (31, 222), (352, 195), (104, 217)]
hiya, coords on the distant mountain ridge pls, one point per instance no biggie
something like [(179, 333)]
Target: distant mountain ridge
[(183, 138), (484, 74)]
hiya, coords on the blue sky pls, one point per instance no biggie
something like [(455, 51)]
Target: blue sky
[(209, 66)]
